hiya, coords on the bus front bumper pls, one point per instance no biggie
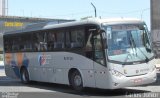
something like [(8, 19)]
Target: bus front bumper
[(121, 82)]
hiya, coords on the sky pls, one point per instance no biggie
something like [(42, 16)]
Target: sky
[(77, 9)]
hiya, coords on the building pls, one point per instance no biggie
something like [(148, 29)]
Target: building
[(11, 23), (3, 7), (155, 25)]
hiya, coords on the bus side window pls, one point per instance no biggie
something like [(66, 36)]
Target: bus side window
[(68, 39), (98, 49), (34, 42), (88, 48), (41, 41), (77, 38), (59, 43), (51, 40)]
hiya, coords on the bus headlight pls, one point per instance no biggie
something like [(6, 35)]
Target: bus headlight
[(116, 73)]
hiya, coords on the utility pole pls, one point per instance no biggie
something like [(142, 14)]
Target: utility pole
[(94, 9)]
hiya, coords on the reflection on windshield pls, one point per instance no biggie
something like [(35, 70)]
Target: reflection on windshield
[(124, 40)]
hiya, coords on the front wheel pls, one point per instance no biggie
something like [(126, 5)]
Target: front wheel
[(76, 81), (24, 76)]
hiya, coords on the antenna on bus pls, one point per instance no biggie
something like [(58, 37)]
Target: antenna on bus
[(94, 9)]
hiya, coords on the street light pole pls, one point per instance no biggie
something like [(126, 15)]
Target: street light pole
[(94, 9)]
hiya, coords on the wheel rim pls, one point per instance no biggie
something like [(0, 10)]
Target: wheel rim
[(24, 76), (77, 80)]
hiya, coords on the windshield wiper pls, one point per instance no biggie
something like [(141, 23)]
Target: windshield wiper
[(145, 41), (125, 61), (146, 58), (132, 43), (133, 46)]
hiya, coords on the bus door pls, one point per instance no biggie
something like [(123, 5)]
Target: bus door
[(99, 60)]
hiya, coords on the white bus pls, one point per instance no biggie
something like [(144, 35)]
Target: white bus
[(98, 53)]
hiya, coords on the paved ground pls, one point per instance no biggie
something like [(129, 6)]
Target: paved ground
[(154, 87), (10, 88)]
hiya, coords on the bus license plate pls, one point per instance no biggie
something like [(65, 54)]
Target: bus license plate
[(139, 80)]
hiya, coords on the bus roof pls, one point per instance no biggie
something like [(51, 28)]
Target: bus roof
[(96, 21)]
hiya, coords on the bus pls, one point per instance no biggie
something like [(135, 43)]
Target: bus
[(97, 53)]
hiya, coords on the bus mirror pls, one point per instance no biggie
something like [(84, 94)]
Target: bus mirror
[(141, 27), (101, 31), (104, 36), (92, 30)]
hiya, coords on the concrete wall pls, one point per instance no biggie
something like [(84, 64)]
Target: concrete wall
[(11, 23), (155, 25), (2, 8), (155, 20)]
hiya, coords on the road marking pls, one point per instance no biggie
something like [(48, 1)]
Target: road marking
[(22, 89)]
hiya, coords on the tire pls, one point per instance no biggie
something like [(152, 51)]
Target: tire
[(76, 81), (24, 76)]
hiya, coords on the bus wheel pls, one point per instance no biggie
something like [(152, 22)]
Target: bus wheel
[(24, 76), (76, 81)]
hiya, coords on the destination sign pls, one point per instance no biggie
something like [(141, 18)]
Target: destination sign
[(13, 24)]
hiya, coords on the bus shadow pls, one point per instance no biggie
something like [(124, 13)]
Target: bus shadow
[(87, 91), (117, 92), (5, 81)]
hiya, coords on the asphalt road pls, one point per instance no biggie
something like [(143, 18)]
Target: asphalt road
[(10, 88)]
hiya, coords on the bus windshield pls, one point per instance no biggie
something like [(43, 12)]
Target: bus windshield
[(128, 43)]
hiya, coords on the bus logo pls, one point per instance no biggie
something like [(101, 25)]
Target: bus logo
[(42, 59)]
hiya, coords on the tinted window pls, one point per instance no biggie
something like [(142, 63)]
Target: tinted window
[(77, 38), (59, 43), (45, 40)]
